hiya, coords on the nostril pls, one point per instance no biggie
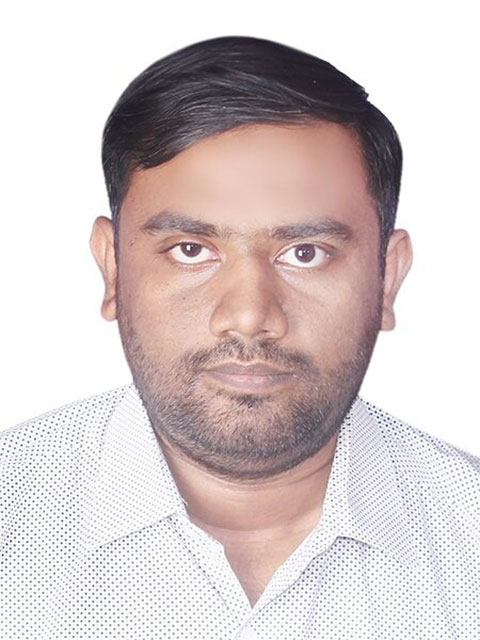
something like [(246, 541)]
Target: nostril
[(248, 314)]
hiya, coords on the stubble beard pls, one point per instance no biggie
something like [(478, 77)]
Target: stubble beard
[(238, 435)]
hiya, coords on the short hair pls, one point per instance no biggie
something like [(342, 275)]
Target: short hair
[(216, 85)]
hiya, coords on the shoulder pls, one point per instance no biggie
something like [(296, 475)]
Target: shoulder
[(45, 464), (446, 472), (63, 429)]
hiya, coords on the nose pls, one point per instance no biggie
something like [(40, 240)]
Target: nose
[(248, 303)]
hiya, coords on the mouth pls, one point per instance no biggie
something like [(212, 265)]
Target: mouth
[(253, 378)]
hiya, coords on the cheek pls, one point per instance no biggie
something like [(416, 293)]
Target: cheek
[(332, 319), (163, 317)]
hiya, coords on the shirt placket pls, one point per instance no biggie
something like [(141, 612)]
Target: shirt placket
[(210, 556)]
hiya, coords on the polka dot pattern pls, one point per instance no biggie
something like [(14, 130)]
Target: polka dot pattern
[(96, 541)]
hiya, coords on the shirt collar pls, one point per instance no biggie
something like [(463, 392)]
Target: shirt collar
[(131, 486), (363, 499)]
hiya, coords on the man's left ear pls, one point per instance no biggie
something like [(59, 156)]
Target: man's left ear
[(397, 264)]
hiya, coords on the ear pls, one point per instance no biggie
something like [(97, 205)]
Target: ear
[(397, 264), (103, 249)]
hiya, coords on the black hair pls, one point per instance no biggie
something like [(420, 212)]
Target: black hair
[(219, 84)]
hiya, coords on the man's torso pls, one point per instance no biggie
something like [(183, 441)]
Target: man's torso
[(96, 542)]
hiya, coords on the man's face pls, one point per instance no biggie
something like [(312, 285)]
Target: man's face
[(249, 293)]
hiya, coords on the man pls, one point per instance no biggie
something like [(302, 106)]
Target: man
[(240, 488)]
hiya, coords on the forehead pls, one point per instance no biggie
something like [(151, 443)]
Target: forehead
[(258, 176)]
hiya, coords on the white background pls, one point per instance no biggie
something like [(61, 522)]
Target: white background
[(63, 68)]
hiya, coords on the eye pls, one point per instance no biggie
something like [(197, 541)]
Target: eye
[(304, 255), (190, 253)]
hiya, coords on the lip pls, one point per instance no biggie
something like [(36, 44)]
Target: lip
[(254, 378), (256, 369)]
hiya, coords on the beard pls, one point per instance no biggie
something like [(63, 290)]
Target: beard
[(244, 436)]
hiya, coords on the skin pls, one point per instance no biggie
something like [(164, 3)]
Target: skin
[(251, 293)]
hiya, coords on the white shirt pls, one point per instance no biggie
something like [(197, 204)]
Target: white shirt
[(96, 541)]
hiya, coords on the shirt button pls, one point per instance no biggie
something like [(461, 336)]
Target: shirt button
[(247, 633)]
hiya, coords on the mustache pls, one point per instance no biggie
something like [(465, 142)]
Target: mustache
[(265, 351)]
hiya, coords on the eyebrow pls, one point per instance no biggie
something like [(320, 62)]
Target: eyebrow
[(173, 221)]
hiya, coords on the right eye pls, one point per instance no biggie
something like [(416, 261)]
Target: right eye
[(190, 253)]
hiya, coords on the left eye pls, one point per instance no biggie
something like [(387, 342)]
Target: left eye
[(303, 255), (190, 253)]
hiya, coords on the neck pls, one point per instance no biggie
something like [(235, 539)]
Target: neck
[(289, 500)]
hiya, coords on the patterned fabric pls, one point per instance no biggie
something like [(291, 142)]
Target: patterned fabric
[(96, 541)]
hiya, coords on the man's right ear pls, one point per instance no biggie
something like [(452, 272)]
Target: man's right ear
[(103, 249)]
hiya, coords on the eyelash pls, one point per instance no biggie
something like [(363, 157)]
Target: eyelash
[(328, 254)]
